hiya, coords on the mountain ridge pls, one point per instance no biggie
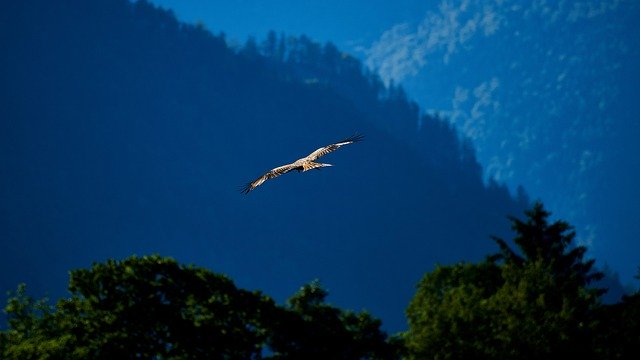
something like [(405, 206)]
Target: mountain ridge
[(128, 132)]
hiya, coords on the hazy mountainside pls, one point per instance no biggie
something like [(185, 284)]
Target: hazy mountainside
[(125, 132), (541, 87)]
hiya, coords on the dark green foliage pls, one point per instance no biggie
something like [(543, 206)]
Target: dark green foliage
[(530, 303), (551, 245), (33, 329), (547, 288), (448, 317), (142, 307), (152, 307), (618, 331), (310, 329), (534, 303)]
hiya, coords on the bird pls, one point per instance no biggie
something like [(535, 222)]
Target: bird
[(303, 164)]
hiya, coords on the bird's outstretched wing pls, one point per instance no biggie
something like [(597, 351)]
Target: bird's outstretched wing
[(333, 147), (269, 175)]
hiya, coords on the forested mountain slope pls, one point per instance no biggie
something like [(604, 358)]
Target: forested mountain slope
[(125, 132)]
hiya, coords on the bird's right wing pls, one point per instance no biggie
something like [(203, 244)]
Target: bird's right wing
[(269, 175), (333, 147)]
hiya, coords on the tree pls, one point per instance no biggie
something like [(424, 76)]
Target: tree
[(250, 50), (551, 244), (548, 283), (270, 45), (153, 307), (529, 303), (32, 330), (308, 328), (618, 332), (149, 307), (448, 317)]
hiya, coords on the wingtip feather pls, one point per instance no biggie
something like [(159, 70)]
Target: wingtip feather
[(354, 138), (245, 189)]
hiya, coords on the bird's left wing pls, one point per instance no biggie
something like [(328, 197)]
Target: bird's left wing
[(333, 147), (269, 175)]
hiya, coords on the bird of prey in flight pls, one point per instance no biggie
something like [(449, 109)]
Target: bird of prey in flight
[(303, 164)]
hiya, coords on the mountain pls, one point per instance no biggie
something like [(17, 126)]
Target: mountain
[(126, 132), (547, 93)]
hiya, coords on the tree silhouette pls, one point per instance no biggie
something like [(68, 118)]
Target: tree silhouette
[(449, 316), (550, 244), (310, 329), (618, 328), (149, 307), (153, 307), (529, 303)]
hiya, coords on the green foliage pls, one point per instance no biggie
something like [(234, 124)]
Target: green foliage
[(527, 304), (143, 307), (152, 307), (532, 302), (32, 330), (311, 329), (448, 316), (550, 244), (618, 331)]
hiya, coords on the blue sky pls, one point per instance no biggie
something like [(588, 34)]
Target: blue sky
[(546, 90)]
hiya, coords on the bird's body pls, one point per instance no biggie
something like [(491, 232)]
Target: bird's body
[(302, 164)]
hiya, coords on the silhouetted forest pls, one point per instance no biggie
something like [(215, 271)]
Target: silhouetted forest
[(126, 132), (531, 300)]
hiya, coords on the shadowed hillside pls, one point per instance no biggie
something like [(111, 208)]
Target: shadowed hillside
[(125, 132)]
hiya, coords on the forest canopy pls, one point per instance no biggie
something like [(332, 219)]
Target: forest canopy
[(530, 300)]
